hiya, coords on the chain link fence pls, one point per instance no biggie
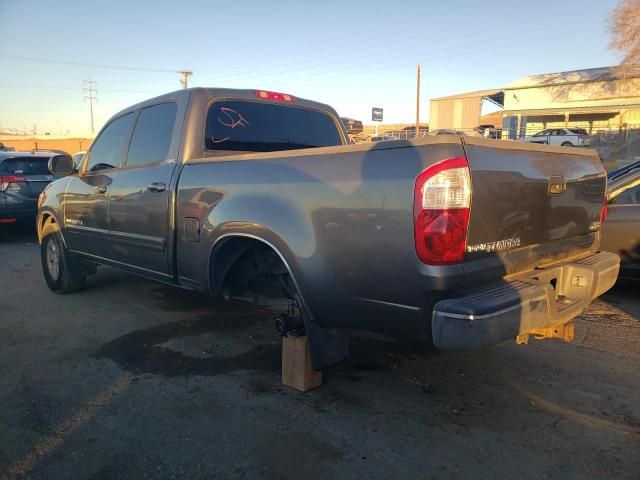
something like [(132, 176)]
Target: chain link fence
[(617, 145)]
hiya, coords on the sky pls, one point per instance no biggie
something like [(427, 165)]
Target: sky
[(351, 55)]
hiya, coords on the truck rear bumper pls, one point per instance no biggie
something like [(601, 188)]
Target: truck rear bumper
[(545, 298)]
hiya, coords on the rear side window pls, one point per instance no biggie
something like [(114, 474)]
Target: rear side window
[(108, 149), (578, 131), (264, 127), (25, 166), (152, 134)]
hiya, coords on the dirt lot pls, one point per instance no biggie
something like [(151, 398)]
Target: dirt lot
[(132, 379)]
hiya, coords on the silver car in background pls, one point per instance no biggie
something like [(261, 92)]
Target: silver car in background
[(564, 137)]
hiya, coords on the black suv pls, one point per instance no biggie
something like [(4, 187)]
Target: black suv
[(23, 176)]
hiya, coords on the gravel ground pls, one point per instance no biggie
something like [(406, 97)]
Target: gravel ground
[(133, 379)]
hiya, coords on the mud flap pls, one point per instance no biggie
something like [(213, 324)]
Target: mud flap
[(328, 347)]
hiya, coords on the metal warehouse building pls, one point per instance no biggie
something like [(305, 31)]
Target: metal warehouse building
[(597, 99), (463, 111)]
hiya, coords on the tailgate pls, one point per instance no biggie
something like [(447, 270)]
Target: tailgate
[(531, 205)]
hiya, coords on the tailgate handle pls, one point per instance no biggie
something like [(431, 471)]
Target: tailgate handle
[(557, 185)]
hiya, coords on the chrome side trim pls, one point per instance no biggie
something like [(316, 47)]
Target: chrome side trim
[(140, 271), (138, 240), (82, 228), (390, 304)]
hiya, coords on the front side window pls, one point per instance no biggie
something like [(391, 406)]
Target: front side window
[(152, 134), (108, 149), (265, 127), (543, 133)]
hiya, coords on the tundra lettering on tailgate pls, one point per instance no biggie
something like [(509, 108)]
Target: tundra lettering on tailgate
[(498, 246)]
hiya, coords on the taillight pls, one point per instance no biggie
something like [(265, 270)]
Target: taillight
[(283, 97), (442, 198), (6, 180), (603, 211)]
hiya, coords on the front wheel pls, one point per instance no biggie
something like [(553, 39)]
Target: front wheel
[(567, 144), (61, 271)]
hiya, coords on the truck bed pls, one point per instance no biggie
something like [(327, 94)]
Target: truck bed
[(342, 217)]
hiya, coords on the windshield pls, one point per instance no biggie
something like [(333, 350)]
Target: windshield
[(264, 127)]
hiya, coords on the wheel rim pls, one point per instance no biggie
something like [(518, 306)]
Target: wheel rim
[(53, 259)]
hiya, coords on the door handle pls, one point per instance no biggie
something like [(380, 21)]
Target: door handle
[(156, 187), (99, 189)]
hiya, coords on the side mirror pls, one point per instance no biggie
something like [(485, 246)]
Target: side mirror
[(61, 165)]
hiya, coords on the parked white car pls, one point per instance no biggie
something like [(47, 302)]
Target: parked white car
[(566, 137)]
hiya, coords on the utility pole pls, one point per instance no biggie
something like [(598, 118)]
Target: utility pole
[(185, 77), (88, 87), (418, 104)]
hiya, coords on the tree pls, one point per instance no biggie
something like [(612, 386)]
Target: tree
[(624, 25)]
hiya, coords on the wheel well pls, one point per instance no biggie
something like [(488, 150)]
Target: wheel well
[(252, 270), (47, 223)]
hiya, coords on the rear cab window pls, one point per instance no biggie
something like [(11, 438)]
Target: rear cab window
[(249, 126)]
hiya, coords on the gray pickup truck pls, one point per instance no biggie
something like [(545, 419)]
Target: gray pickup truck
[(459, 241)]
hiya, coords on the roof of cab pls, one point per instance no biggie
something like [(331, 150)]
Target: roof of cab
[(227, 93)]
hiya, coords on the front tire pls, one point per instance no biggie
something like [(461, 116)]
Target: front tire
[(567, 144), (61, 271)]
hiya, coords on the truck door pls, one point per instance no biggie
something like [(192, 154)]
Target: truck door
[(85, 201), (140, 194)]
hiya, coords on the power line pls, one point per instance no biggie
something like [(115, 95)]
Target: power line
[(60, 87), (382, 55), (91, 96), (354, 67), (302, 58), (84, 64)]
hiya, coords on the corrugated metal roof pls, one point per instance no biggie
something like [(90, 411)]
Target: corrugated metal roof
[(574, 76), (562, 110)]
